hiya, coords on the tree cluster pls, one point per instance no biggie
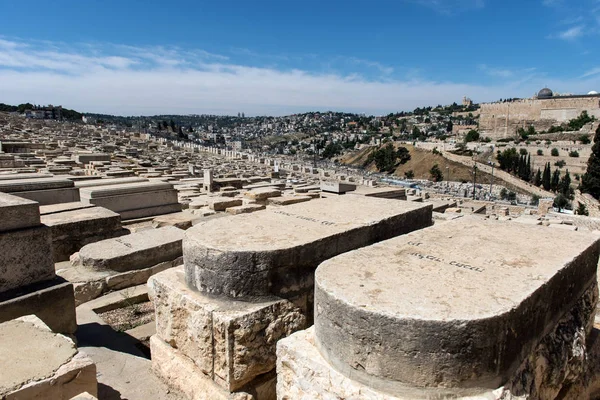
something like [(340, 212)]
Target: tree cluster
[(387, 158), (590, 181), (515, 163)]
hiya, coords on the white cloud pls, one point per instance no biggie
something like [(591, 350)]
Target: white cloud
[(128, 80), (572, 33), (591, 72)]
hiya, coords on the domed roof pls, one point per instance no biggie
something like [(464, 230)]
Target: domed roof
[(545, 93), (593, 92)]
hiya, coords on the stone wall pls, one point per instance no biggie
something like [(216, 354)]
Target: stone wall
[(501, 120)]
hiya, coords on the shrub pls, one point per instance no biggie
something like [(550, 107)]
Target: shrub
[(560, 163), (554, 152), (540, 152), (523, 152), (574, 153)]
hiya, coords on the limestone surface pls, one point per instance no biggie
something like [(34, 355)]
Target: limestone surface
[(136, 251), (460, 304), (37, 363), (276, 251), (231, 341), (17, 213)]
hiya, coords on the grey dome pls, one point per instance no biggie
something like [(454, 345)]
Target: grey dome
[(545, 93)]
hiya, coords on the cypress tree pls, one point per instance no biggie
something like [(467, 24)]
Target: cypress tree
[(555, 180), (590, 181), (538, 178), (528, 168), (546, 177)]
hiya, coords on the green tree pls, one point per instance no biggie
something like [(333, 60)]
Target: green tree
[(590, 181), (581, 209), (546, 179), (564, 186), (555, 181), (409, 174), (554, 152), (540, 152), (537, 181), (436, 173), (472, 136), (561, 202)]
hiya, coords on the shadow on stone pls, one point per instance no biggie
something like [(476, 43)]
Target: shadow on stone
[(107, 393), (98, 335)]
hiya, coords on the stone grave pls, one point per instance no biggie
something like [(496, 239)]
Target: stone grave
[(465, 309), (248, 282), (74, 228), (28, 283), (134, 200), (42, 190), (37, 363), (122, 262)]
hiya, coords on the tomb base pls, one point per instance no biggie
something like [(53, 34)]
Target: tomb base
[(51, 301), (39, 364), (232, 342), (51, 196), (560, 366), (182, 374)]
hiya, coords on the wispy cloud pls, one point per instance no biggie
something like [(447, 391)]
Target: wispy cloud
[(572, 33), (450, 7), (129, 80), (591, 72), (507, 73)]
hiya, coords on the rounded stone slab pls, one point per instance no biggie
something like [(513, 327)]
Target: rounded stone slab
[(457, 305), (277, 250)]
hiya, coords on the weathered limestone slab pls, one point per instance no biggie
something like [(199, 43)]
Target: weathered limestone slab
[(39, 364), (337, 187), (232, 342), (51, 196), (182, 220), (276, 251), (136, 251), (134, 200), (52, 301), (26, 185), (222, 203), (461, 306), (89, 157), (96, 192), (288, 200), (17, 213), (71, 230), (62, 207), (89, 283), (262, 193), (109, 182), (181, 373), (25, 257), (245, 209)]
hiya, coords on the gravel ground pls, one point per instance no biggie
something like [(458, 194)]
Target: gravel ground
[(123, 319)]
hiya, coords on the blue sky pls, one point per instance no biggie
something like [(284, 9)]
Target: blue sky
[(285, 56)]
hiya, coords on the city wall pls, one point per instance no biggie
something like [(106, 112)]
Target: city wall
[(502, 120)]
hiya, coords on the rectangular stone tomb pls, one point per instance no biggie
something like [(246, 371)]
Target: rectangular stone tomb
[(39, 364), (108, 182), (464, 308), (134, 200), (277, 250), (136, 251), (228, 341), (25, 244), (43, 190), (73, 229)]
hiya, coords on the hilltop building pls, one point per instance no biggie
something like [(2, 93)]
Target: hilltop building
[(502, 119)]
